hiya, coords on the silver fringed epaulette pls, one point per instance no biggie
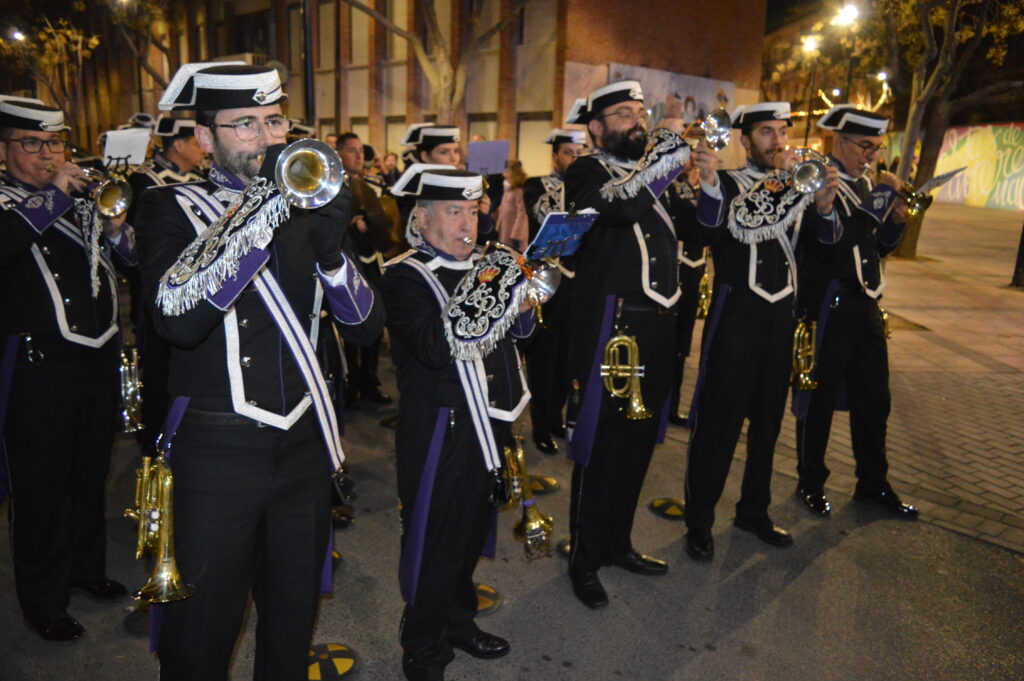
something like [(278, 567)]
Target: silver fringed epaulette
[(484, 306), (92, 227), (202, 268), (665, 152), (767, 209)]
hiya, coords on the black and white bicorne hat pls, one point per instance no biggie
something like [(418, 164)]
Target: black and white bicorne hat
[(436, 182), (847, 118), (171, 129), (426, 137), (562, 136), (748, 114), (212, 86), (609, 95), (25, 113), (577, 113), (300, 129), (141, 119)]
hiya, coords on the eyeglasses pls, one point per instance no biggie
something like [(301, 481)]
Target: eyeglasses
[(248, 128), (33, 145), (867, 147), (628, 115)]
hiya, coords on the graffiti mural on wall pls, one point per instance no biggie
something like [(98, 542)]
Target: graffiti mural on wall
[(994, 156)]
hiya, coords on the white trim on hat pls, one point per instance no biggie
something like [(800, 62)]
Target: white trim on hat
[(857, 117), (50, 119), (176, 128), (575, 136), (636, 91), (185, 73), (22, 100), (579, 107), (411, 134), (439, 131), (413, 172)]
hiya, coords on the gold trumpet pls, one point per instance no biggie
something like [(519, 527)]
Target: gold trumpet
[(631, 370), (154, 485), (803, 355), (917, 202), (112, 194), (704, 296), (131, 390), (886, 328), (534, 528)]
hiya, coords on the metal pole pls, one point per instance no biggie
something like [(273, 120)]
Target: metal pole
[(307, 59)]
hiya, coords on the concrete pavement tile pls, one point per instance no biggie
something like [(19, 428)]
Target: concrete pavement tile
[(979, 510)]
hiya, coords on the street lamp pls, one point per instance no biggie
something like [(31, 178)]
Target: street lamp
[(810, 47), (810, 43), (883, 76), (846, 15), (17, 35), (836, 92)]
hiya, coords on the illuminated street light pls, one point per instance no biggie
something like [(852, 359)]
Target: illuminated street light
[(810, 42), (836, 92), (17, 35), (847, 15), (883, 76)]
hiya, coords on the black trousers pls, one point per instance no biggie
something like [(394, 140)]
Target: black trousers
[(605, 492), (686, 317), (854, 351), (251, 512), (61, 421), (458, 524), (362, 365), (154, 358), (547, 372), (747, 367)]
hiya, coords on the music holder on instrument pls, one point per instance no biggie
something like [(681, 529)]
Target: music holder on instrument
[(561, 234)]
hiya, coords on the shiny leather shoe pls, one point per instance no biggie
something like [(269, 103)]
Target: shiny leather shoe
[(700, 545), (634, 561), (815, 500), (107, 590), (766, 531), (415, 671), (546, 444), (890, 501), (588, 588), (62, 629), (481, 644)]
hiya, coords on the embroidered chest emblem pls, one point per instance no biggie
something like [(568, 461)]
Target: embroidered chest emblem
[(487, 274)]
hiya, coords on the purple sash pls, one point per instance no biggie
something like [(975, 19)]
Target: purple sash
[(584, 432)]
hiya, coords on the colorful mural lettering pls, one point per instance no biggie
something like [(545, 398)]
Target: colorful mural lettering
[(994, 156)]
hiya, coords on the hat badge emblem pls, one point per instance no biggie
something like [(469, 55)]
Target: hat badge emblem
[(778, 114), (260, 96), (472, 192), (635, 93)]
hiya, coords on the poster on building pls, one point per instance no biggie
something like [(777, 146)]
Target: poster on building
[(994, 156), (677, 94)]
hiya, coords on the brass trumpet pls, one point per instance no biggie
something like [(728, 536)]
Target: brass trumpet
[(917, 202), (131, 391), (534, 528), (631, 370), (803, 355), (111, 193), (309, 173), (154, 485), (704, 296)]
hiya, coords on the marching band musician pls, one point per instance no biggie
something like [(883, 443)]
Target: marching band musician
[(458, 402), (842, 292), (548, 349), (59, 385), (252, 432), (745, 355), (626, 284)]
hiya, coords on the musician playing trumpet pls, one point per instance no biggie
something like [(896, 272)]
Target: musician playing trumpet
[(841, 290), (251, 429), (452, 312), (59, 326)]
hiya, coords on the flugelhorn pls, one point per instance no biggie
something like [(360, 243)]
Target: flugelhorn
[(154, 485), (111, 193), (309, 173), (131, 390), (803, 355), (630, 369), (534, 528), (810, 172), (715, 128)]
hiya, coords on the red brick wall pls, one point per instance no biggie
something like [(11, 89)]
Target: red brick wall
[(719, 40)]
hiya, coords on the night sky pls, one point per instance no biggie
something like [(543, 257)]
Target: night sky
[(781, 12)]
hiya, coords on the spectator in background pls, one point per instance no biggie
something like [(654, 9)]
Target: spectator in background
[(513, 225), (390, 168)]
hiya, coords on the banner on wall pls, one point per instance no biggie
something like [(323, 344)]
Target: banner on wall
[(677, 94), (994, 156)]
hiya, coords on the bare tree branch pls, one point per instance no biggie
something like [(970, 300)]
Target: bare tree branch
[(518, 7), (429, 70), (144, 63), (1000, 93)]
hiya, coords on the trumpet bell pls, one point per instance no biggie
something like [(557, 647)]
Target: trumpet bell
[(309, 173), (543, 284), (165, 585), (810, 172), (717, 127), (111, 194)]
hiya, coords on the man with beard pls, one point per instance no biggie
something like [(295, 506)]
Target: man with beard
[(841, 292), (255, 438), (548, 350), (745, 353), (626, 285)]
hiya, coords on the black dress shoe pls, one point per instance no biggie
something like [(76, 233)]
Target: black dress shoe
[(481, 644), (107, 590), (62, 629), (341, 517), (700, 545), (815, 500), (545, 444), (766, 531), (634, 561), (414, 671), (588, 588), (375, 395), (890, 501), (558, 431)]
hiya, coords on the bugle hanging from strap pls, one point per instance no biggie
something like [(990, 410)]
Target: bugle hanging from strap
[(534, 528), (803, 355)]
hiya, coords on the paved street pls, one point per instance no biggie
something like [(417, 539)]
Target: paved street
[(859, 597)]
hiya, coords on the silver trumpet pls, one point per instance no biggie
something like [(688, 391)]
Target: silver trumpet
[(715, 128), (131, 390), (111, 193), (810, 172), (309, 173)]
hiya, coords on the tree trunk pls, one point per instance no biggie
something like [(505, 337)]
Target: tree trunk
[(935, 127)]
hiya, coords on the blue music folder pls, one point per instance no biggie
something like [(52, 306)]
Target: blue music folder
[(561, 234)]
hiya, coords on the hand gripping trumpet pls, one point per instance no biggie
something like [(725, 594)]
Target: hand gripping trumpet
[(131, 390), (630, 369), (810, 173), (803, 355), (154, 484), (534, 528)]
